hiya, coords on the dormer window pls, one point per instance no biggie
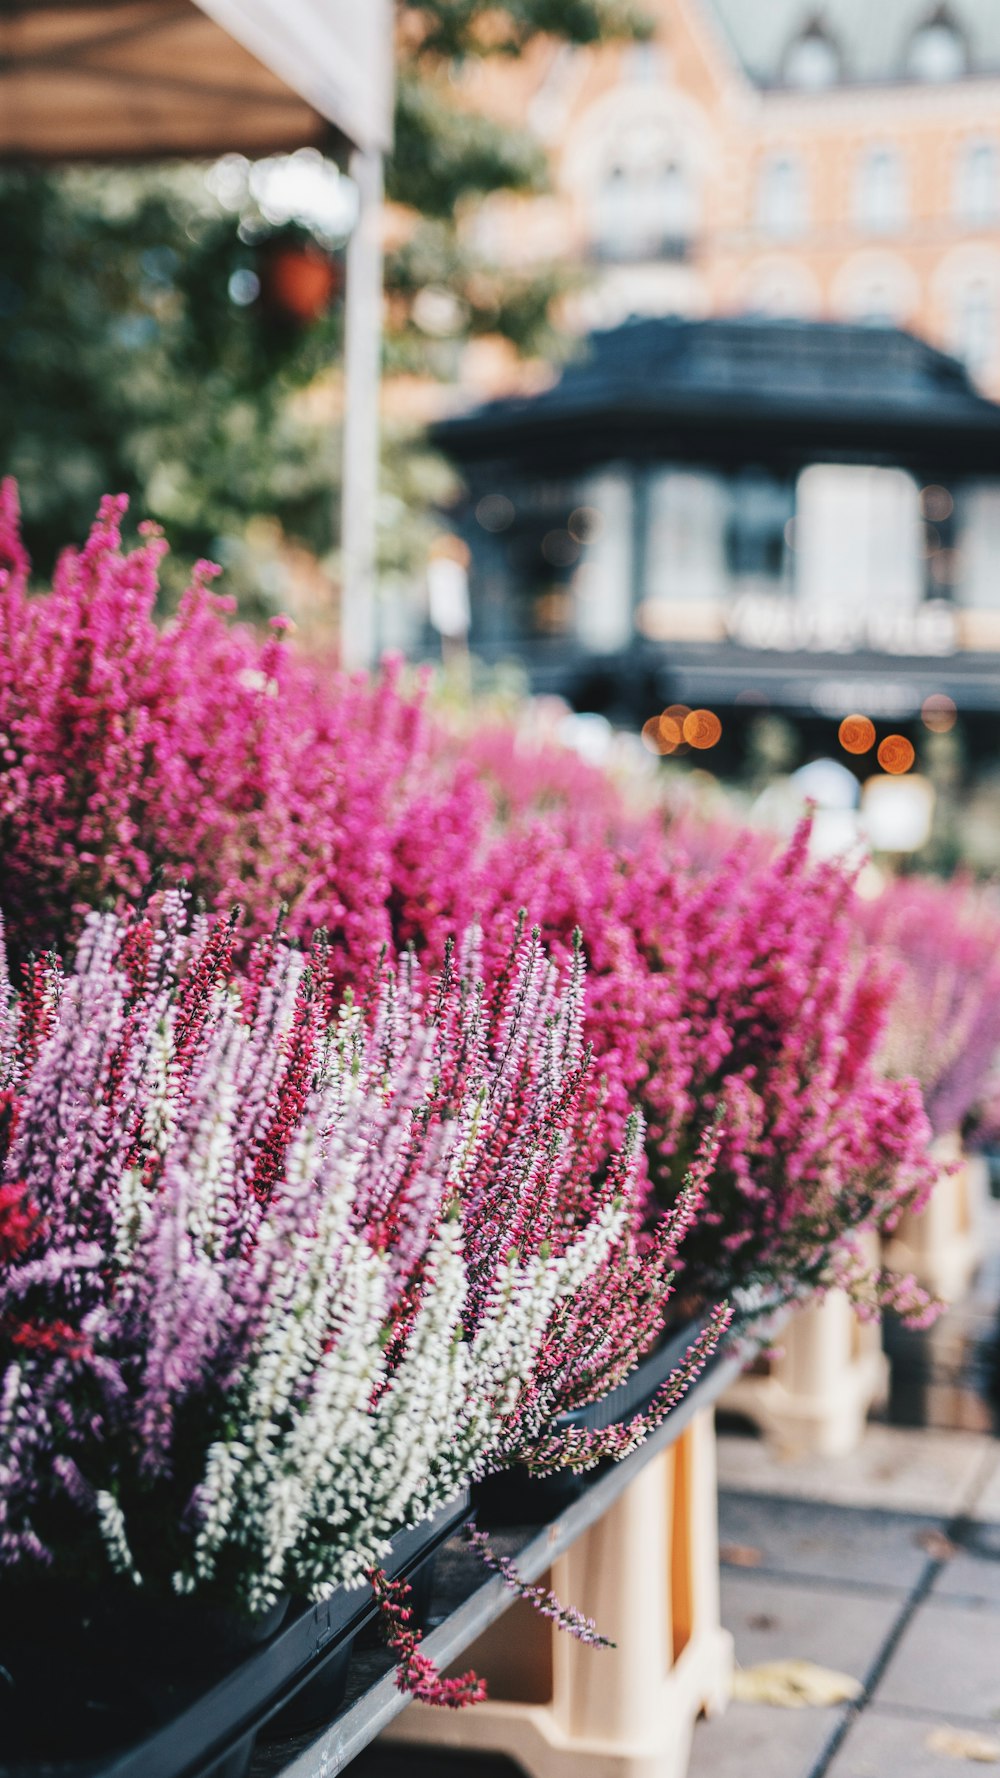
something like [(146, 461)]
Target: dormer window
[(938, 50), (974, 323), (812, 60)]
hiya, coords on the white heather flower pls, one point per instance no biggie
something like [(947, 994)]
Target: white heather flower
[(112, 1523)]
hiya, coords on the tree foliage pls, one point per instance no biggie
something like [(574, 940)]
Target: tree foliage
[(125, 364)]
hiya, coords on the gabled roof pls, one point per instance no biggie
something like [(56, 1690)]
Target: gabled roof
[(872, 40)]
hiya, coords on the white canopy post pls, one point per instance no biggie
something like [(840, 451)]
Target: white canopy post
[(362, 368)]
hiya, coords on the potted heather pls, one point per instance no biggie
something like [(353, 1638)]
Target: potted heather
[(726, 990), (301, 786), (283, 1273), (942, 940), (736, 994)]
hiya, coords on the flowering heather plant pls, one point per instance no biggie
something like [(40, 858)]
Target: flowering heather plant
[(944, 941), (735, 993), (527, 772), (817, 1145), (280, 1277), (194, 751)]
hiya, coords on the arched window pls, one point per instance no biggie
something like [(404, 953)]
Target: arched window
[(938, 49), (779, 286), (880, 201), (781, 196), (812, 60), (875, 287), (977, 178), (877, 304), (679, 204), (610, 225)]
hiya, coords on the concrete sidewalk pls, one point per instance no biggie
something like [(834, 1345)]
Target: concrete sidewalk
[(884, 1566)]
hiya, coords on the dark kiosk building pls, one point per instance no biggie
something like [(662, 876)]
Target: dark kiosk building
[(743, 514)]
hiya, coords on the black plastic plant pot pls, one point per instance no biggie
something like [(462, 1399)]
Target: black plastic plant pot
[(413, 1557), (102, 1686), (516, 1497)]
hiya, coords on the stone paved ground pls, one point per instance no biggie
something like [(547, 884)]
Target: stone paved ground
[(885, 1566)]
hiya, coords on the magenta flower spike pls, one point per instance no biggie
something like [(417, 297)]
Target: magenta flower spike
[(943, 942)]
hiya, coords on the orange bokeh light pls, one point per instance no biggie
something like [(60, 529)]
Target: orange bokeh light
[(857, 734), (650, 735), (671, 732), (701, 728), (896, 754), (939, 713)]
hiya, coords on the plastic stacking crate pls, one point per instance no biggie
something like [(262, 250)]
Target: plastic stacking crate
[(942, 1245), (91, 1689), (813, 1396)]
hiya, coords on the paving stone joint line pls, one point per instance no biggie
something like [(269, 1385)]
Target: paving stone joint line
[(955, 1529)]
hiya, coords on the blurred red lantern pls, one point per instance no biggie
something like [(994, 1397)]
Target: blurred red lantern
[(298, 281)]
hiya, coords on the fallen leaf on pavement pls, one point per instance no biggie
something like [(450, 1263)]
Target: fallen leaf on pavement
[(740, 1555), (965, 1744), (936, 1544), (793, 1685)]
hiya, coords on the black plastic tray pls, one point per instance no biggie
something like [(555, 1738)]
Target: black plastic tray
[(516, 1497), (176, 1711)]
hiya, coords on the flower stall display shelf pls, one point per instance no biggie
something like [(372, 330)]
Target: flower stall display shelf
[(311, 1220), (112, 1686), (812, 1396), (641, 1559), (282, 1275), (654, 1511)]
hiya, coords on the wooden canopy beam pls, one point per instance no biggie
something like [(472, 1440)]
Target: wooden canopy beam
[(138, 80)]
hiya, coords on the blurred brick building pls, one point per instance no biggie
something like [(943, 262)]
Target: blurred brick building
[(772, 157)]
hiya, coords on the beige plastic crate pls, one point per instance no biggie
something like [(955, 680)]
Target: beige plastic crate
[(943, 1244), (814, 1396), (648, 1573)]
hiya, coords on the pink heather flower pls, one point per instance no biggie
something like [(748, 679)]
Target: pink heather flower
[(416, 1673), (734, 992), (196, 752), (943, 942)]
